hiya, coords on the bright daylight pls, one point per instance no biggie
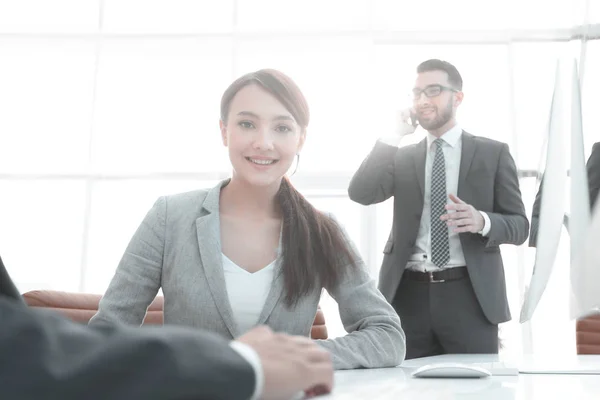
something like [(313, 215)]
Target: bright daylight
[(317, 199)]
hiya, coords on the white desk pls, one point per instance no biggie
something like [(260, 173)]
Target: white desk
[(526, 364), (397, 384)]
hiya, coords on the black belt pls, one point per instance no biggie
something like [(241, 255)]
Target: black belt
[(449, 274)]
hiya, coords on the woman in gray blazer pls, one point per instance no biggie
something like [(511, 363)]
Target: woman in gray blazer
[(252, 250)]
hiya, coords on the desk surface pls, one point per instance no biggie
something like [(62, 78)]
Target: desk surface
[(396, 383), (540, 364)]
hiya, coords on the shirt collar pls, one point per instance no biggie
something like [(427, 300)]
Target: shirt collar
[(451, 137)]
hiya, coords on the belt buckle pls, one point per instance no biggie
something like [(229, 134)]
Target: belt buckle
[(431, 280)]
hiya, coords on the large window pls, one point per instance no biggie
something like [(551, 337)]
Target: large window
[(107, 104)]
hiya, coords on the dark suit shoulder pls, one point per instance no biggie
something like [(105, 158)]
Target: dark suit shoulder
[(593, 165), (490, 148), (594, 160), (191, 364), (410, 148), (492, 143)]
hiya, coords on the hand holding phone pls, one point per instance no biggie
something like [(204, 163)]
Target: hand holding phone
[(406, 122)]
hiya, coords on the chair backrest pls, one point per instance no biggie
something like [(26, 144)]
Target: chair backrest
[(81, 307), (319, 329), (588, 335)]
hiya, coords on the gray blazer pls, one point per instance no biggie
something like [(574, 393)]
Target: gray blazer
[(177, 247), (487, 180)]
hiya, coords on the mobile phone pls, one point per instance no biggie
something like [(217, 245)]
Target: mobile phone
[(413, 119)]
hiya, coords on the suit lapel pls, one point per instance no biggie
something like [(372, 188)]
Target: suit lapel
[(419, 160), (208, 230), (466, 158), (277, 288)]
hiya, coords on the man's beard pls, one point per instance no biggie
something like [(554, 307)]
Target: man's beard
[(440, 120)]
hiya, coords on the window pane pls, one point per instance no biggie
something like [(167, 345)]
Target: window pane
[(335, 327), (347, 213), (167, 16), (46, 100), (552, 312), (335, 76), (118, 208), (158, 106), (589, 95), (56, 16), (41, 233), (593, 12), (289, 15), (518, 267), (534, 74), (475, 14)]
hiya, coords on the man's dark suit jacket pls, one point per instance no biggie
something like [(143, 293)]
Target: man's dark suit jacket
[(593, 172), (44, 356), (487, 180)]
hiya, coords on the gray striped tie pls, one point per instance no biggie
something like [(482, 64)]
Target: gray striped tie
[(440, 249)]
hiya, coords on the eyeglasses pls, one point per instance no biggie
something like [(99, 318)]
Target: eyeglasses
[(431, 91)]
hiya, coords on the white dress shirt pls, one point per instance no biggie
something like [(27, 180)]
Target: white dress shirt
[(421, 257), (252, 358), (247, 293)]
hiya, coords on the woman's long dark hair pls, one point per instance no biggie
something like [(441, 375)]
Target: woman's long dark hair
[(315, 250)]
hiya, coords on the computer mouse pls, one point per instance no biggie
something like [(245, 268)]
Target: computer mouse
[(451, 370)]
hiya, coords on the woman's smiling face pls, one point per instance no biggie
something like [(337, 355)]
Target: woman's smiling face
[(261, 135)]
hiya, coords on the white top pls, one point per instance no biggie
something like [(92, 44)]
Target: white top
[(247, 292), (452, 148)]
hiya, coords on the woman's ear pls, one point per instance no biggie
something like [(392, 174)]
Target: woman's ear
[(223, 129), (301, 140)]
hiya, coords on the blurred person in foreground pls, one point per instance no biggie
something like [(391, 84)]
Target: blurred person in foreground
[(45, 356)]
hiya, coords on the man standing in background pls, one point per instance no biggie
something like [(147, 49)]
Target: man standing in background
[(456, 199)]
